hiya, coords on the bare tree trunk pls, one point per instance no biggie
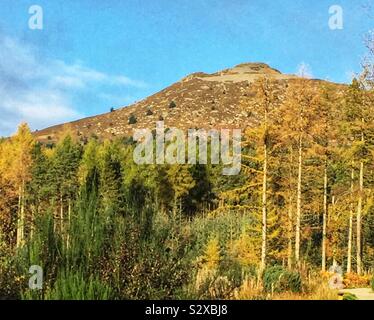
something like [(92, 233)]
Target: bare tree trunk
[(324, 228), (290, 231), (350, 231), (298, 205), (21, 216), (175, 207), (19, 219), (359, 215), (69, 221), (61, 214), (290, 217), (264, 210)]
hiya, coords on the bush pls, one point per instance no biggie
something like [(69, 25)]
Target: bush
[(149, 112), (278, 279), (152, 268), (76, 286), (10, 279), (132, 119), (172, 105), (353, 280), (349, 296), (372, 283)]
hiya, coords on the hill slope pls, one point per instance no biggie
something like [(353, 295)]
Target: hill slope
[(199, 100)]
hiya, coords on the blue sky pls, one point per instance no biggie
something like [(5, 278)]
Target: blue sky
[(92, 55)]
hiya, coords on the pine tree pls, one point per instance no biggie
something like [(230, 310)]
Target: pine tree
[(89, 163), (64, 177), (110, 173), (38, 188), (181, 182)]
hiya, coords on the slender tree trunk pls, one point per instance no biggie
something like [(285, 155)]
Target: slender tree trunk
[(264, 210), (290, 216), (333, 214), (61, 214), (325, 213), (69, 221), (298, 204), (175, 207), (21, 216), (290, 232), (359, 216), (350, 231), (19, 219), (33, 211)]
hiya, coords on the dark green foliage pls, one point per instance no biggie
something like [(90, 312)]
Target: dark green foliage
[(149, 112), (172, 105), (128, 141), (132, 119), (372, 283), (37, 188), (63, 170), (278, 279), (110, 177), (201, 195)]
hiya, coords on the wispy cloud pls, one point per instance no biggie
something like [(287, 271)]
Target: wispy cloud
[(41, 92), (79, 76)]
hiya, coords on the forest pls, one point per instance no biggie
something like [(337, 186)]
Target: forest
[(102, 227)]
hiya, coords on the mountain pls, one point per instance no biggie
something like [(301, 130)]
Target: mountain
[(199, 100)]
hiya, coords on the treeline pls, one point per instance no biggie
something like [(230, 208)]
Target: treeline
[(36, 179), (80, 210), (103, 227), (309, 168)]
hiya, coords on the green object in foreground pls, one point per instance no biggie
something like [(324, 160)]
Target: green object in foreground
[(349, 296), (278, 279)]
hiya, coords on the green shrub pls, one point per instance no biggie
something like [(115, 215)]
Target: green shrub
[(278, 279), (75, 286), (10, 280), (132, 119), (372, 283), (349, 296), (172, 105)]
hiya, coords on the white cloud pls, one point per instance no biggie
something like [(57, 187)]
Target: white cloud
[(40, 92), (79, 76), (25, 92)]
